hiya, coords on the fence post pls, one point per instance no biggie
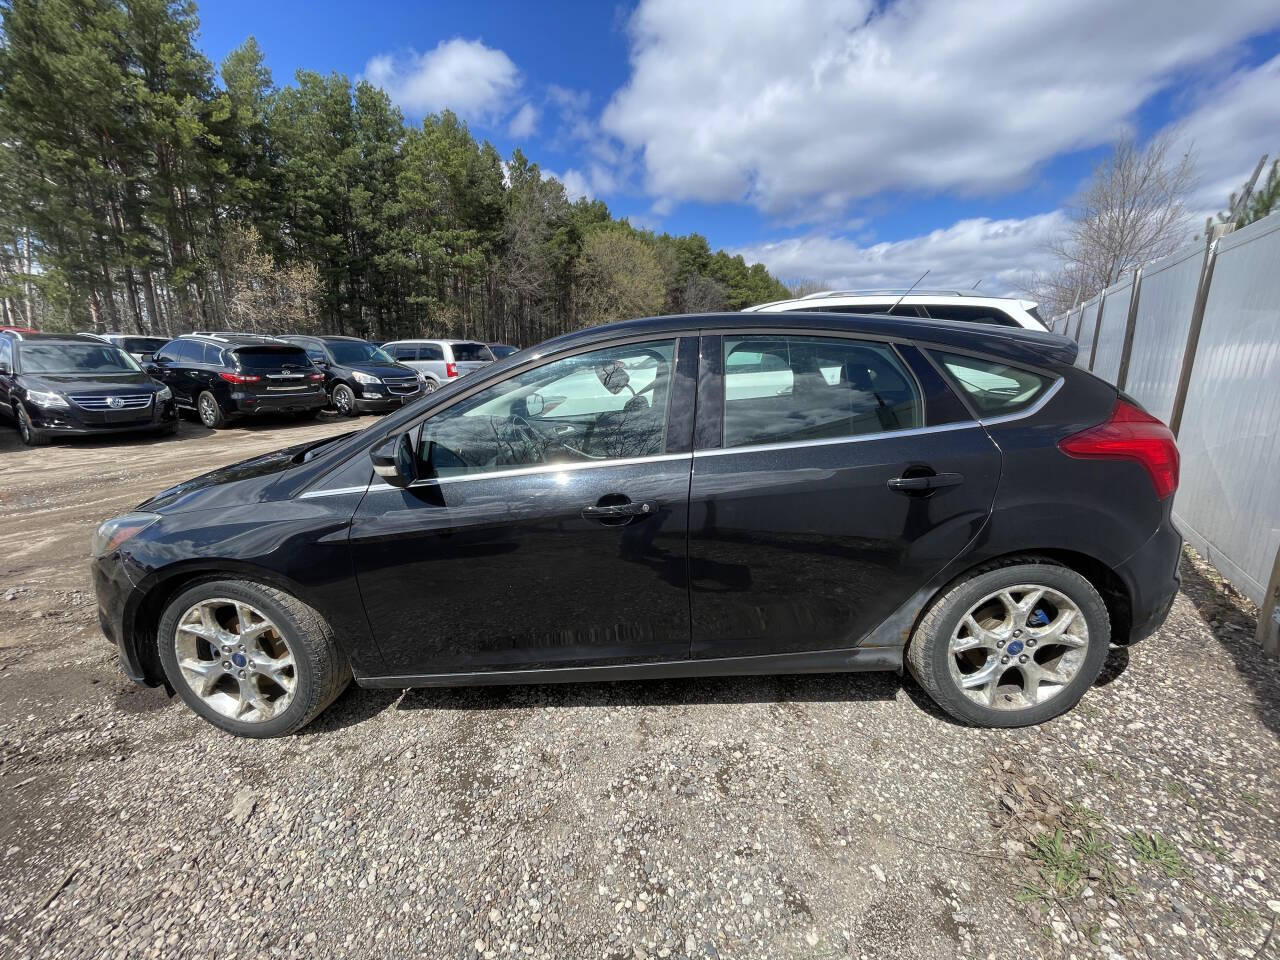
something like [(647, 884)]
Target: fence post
[(1269, 614), (1193, 337), (1127, 347), (1097, 329)]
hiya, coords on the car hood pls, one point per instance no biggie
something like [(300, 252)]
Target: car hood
[(250, 481), (106, 383)]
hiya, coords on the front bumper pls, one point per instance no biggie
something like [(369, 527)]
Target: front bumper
[(64, 422), (117, 596), (369, 402)]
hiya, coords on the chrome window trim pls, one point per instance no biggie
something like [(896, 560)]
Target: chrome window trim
[(334, 491), (1025, 411), (833, 441), (539, 469)]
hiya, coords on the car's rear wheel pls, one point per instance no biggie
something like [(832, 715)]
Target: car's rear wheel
[(210, 413), (344, 400), (249, 658), (27, 431), (1012, 646)]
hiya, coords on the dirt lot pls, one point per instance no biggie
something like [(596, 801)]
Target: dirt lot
[(837, 816)]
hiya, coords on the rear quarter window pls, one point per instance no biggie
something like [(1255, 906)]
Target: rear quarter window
[(994, 388)]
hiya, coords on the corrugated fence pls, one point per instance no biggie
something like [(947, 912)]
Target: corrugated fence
[(1195, 337)]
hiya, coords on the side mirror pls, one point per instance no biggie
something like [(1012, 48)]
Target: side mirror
[(153, 368), (394, 462), (4, 369), (534, 404)]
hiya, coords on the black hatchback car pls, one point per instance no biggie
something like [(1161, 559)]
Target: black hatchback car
[(222, 377), (66, 386), (360, 378), (675, 496)]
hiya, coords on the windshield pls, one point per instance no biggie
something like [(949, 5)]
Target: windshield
[(272, 358), (74, 358), (471, 351), (142, 344), (355, 351)]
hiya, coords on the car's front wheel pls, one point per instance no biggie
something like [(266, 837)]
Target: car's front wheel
[(249, 658), (27, 431), (1012, 646), (344, 400)]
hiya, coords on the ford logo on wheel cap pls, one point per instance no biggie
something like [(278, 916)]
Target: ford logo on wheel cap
[(115, 402)]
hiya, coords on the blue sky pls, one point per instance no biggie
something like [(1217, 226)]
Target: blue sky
[(854, 142)]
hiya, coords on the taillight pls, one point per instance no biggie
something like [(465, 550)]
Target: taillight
[(316, 376), (1130, 434), (450, 369), (239, 377)]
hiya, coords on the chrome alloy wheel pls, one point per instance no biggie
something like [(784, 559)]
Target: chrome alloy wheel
[(208, 410), (1018, 647), (235, 659)]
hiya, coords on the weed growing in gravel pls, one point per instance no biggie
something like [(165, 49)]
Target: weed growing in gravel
[(1155, 849), (1252, 799), (1205, 845), (1228, 916), (1182, 793)]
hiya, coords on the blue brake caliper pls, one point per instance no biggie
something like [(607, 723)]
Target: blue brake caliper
[(1038, 618)]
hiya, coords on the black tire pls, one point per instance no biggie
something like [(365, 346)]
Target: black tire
[(209, 412), (27, 431), (322, 671), (929, 655), (344, 401), (430, 386)]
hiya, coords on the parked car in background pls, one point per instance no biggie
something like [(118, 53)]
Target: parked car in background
[(440, 361), (55, 385), (140, 348), (7, 329), (358, 376), (930, 304), (871, 503), (221, 377), (501, 351)]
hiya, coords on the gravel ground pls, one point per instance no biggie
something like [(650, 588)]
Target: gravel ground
[(829, 816)]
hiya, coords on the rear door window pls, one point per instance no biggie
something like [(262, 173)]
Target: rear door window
[(212, 355), (781, 389), (992, 387), (468, 352), (430, 351)]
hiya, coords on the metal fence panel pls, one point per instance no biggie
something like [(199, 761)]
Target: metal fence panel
[(1115, 321), (1228, 504), (1165, 305), (1088, 322)]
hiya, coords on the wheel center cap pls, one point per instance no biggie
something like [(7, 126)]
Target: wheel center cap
[(240, 660), (1015, 647)]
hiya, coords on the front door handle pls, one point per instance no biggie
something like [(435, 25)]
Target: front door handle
[(620, 511), (928, 482)]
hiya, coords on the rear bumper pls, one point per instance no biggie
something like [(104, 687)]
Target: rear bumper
[(247, 404), (1152, 577)]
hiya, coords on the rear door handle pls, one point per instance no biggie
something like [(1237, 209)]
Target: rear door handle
[(930, 482), (612, 511)]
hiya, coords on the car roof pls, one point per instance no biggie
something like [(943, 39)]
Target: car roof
[(432, 340), (52, 338), (1013, 343), (237, 339)]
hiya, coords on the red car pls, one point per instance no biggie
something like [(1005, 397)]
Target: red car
[(18, 329)]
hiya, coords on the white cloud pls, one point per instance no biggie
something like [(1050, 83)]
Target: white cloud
[(576, 185), (1233, 124), (802, 108), (524, 122), (997, 252), (475, 81)]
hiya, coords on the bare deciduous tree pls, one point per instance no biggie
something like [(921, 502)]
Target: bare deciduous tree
[(1131, 211)]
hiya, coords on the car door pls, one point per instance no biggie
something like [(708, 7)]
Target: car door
[(525, 545), (6, 377), (833, 477), (167, 367)]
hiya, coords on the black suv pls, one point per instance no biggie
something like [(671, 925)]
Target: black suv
[(358, 376), (53, 385), (223, 376)]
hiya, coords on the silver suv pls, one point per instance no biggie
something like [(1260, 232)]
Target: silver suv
[(935, 304), (440, 361)]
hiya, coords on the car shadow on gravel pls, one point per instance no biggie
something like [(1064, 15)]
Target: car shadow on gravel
[(1233, 622)]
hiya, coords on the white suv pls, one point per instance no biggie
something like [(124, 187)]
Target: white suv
[(935, 304)]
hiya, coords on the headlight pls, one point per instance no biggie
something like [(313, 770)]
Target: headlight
[(117, 530), (163, 394), (46, 398), (365, 378)]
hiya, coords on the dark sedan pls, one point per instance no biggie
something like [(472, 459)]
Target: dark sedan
[(64, 386), (675, 496)]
